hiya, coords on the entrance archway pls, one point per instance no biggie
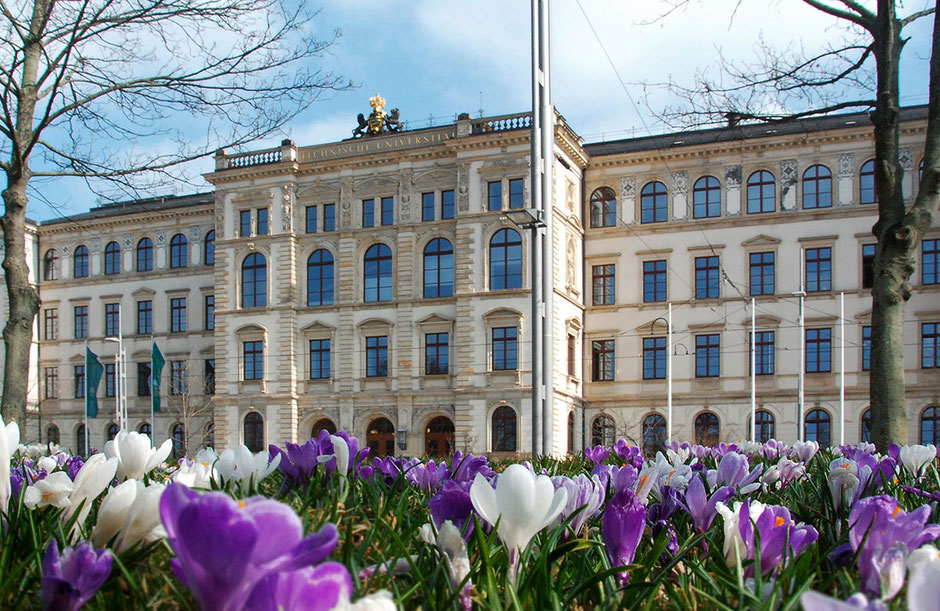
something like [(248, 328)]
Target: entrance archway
[(381, 437), (439, 437)]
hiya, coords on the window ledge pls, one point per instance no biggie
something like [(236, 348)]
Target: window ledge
[(503, 377), (249, 386)]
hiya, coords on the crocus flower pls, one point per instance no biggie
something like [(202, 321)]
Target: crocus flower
[(240, 465), (583, 492), (783, 473), (733, 472), (814, 601), (464, 467), (915, 458), (452, 503), (70, 580), (225, 548), (923, 584), (630, 455), (454, 550), (523, 503), (427, 476), (780, 537), (135, 454), (804, 450), (337, 457), (701, 507), (143, 523), (53, 490), (193, 474), (298, 463), (843, 482), (622, 526), (5, 456), (389, 467), (326, 586), (597, 454), (13, 436)]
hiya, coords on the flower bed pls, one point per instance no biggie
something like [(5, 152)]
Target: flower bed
[(322, 525)]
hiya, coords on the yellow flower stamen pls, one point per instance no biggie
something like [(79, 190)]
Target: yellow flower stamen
[(241, 504), (779, 522)]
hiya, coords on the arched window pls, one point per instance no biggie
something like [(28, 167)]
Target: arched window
[(112, 258), (178, 434), (50, 265), (80, 262), (377, 273), (866, 426), (438, 268), (866, 183), (208, 248), (145, 255), (764, 430), (380, 437), (52, 434), (930, 426), (254, 431), (654, 203), (571, 432), (439, 437), (320, 278), (323, 424), (817, 187), (179, 251), (254, 281), (654, 434), (761, 192), (113, 431), (603, 208), (146, 429), (603, 431), (816, 428), (504, 429), (506, 260), (707, 429), (80, 441), (706, 198)]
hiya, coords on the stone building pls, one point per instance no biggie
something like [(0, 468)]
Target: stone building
[(376, 285)]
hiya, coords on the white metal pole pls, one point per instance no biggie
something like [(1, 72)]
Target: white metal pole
[(153, 425), (841, 368), (546, 118), (117, 388), (800, 381), (87, 436), (669, 373), (753, 371), (535, 178)]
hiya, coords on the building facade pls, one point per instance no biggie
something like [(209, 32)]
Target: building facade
[(376, 285)]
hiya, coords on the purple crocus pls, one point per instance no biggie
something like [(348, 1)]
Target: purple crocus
[(630, 455), (597, 454), (320, 588), (452, 502), (882, 535), (733, 472), (583, 491), (428, 476), (702, 507), (622, 526), (780, 537), (389, 467), (464, 467), (70, 580), (298, 463), (74, 466), (225, 548)]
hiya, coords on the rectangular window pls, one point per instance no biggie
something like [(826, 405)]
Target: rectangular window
[(654, 358), (262, 221), (254, 360), (868, 265), (516, 197), (144, 317), (436, 354), (210, 312), (377, 356), (311, 219), (930, 345), (494, 195), (654, 281), (505, 356), (177, 315), (388, 210), (329, 217), (244, 223), (110, 379), (178, 378), (818, 269), (602, 360), (51, 323), (447, 204), (762, 273), (368, 213), (143, 379), (319, 359), (427, 206), (603, 284), (930, 262), (81, 322), (866, 348), (707, 274), (763, 353), (572, 355), (112, 319), (79, 381), (707, 356), (208, 376), (50, 377), (818, 350)]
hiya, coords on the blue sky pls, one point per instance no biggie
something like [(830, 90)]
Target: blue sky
[(442, 57)]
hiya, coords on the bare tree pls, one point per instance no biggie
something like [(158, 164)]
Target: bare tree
[(190, 404), (112, 89), (860, 71)]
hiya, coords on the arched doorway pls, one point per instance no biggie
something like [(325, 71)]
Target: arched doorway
[(381, 437), (439, 437), (504, 429), (254, 432), (323, 424)]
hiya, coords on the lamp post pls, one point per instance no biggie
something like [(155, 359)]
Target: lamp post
[(668, 321)]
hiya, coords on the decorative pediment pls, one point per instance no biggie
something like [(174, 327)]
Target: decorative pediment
[(762, 320), (141, 355), (374, 323), (251, 328), (374, 183), (435, 319), (761, 240), (657, 326), (503, 313), (318, 327), (319, 190), (435, 177), (144, 292)]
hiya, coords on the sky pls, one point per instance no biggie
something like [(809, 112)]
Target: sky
[(434, 59)]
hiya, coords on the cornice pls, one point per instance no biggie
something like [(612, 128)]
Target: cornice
[(143, 222)]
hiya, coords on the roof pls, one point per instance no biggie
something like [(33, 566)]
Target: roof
[(137, 206), (743, 132)]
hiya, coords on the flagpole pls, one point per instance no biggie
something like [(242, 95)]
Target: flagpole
[(86, 399), (153, 425)]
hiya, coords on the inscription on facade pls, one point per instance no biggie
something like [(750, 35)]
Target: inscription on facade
[(370, 147)]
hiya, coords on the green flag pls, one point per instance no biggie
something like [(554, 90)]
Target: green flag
[(156, 368), (93, 371)]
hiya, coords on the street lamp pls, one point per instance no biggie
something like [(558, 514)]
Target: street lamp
[(120, 382), (668, 321)]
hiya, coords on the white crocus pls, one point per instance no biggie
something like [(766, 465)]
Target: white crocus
[(843, 482), (90, 481), (923, 584), (522, 504), (5, 489), (113, 511), (136, 454), (734, 545), (340, 452), (241, 465), (143, 523), (13, 436), (47, 464), (916, 457), (193, 474), (55, 489)]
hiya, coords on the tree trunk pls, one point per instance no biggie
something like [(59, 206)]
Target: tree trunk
[(23, 302)]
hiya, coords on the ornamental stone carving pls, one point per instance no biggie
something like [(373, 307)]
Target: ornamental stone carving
[(906, 158), (195, 233), (287, 209), (463, 188), (627, 187), (161, 238), (680, 182), (788, 172), (732, 176), (65, 249), (127, 241), (846, 164), (96, 246), (404, 196)]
